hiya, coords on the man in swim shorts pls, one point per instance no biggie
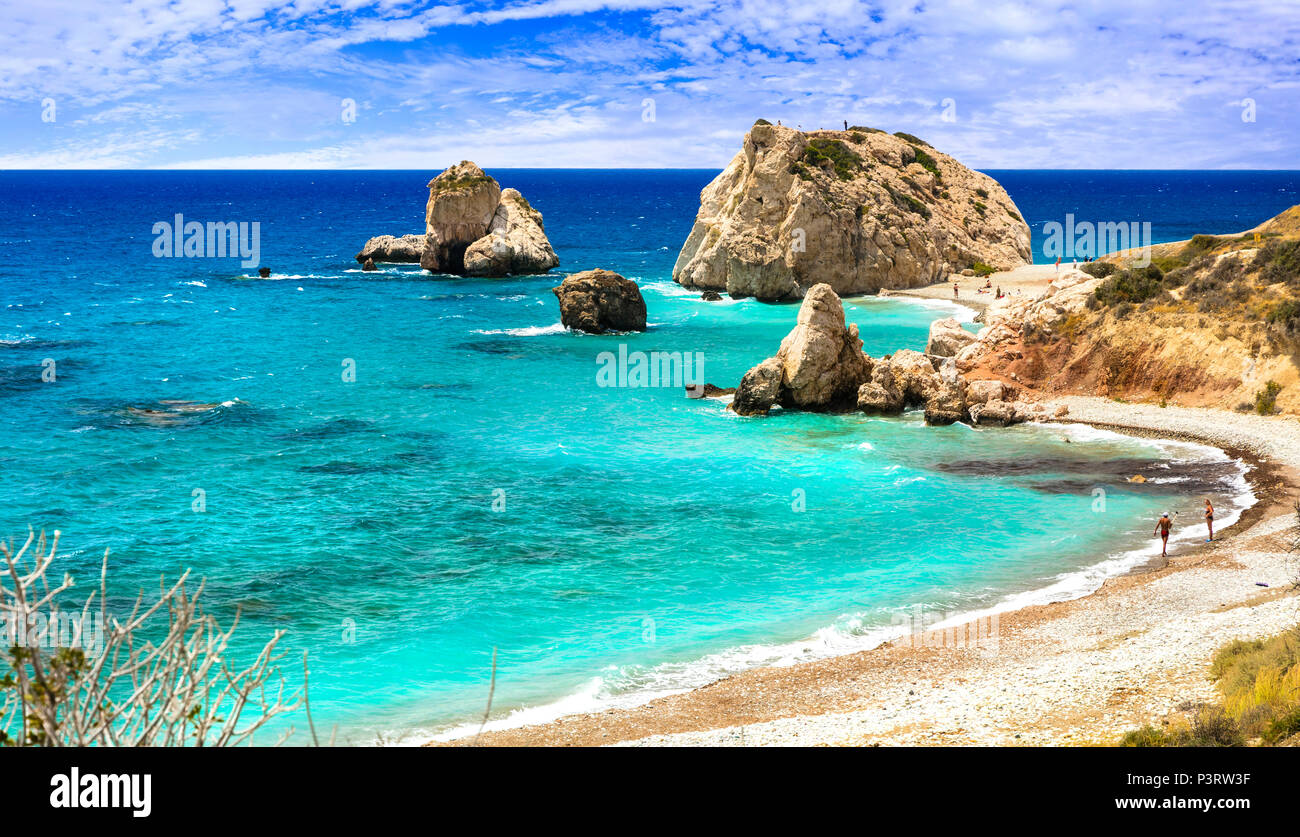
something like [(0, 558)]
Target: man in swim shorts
[(1162, 529)]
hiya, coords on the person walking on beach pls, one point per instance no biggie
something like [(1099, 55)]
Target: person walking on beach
[(1162, 529), (954, 290), (1209, 519)]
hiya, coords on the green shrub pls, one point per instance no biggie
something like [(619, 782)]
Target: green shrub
[(1147, 736), (1130, 286), (1015, 215), (981, 208), (1212, 728), (982, 269), (908, 203), (1284, 727), (1266, 398), (983, 193), (762, 122), (914, 140), (1278, 261), (842, 159), (928, 163), (865, 129), (1098, 270)]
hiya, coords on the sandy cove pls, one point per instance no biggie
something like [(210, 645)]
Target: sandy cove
[(1078, 672), (1029, 280)]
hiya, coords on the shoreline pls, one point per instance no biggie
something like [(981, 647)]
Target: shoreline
[(812, 702)]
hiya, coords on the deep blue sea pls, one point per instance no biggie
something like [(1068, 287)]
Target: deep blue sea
[(405, 472)]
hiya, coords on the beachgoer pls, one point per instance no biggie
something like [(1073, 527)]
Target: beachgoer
[(1058, 264), (1209, 519), (1162, 529), (954, 290), (846, 124)]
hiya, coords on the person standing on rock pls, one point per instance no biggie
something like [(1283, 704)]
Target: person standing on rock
[(1209, 519), (1163, 526)]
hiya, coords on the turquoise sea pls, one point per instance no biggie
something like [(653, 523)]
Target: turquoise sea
[(471, 487)]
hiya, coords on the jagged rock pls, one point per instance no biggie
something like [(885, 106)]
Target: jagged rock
[(711, 296), (979, 392), (821, 361), (264, 272), (369, 265), (881, 394), (914, 376), (947, 403), (515, 242), (947, 338), (858, 210), (462, 202), (708, 391), (876, 399), (472, 228), (387, 248), (1061, 411), (598, 300), (759, 389), (997, 413)]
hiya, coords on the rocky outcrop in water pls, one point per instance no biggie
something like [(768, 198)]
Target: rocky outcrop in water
[(821, 367), (597, 301), (473, 228), (514, 243), (859, 210), (388, 248)]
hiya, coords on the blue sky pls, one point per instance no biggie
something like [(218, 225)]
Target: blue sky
[(574, 83)]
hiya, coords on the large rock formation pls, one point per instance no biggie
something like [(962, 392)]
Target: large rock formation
[(515, 242), (597, 301), (820, 364), (472, 228), (388, 248), (859, 210)]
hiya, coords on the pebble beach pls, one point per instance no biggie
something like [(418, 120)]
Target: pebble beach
[(1077, 672)]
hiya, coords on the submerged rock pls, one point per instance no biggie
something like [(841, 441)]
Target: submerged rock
[(369, 265), (388, 248), (708, 391), (599, 300), (859, 210)]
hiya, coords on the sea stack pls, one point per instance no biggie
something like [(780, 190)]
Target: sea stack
[(474, 228), (858, 210)]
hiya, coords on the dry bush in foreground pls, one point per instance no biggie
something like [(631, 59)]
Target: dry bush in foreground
[(88, 678)]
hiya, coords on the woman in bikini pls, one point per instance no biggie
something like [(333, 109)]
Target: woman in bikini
[(1162, 529), (1209, 520)]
